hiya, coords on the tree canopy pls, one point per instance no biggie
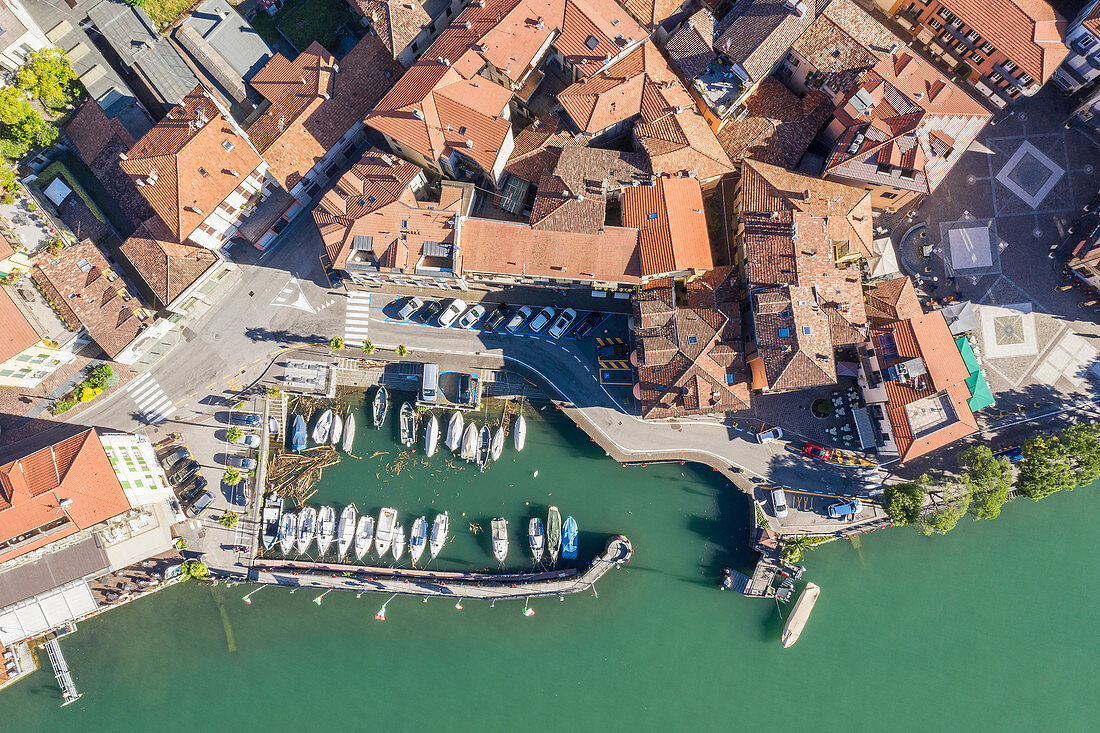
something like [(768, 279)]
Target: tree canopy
[(987, 478), (1053, 463), (48, 75), (942, 521), (22, 126), (903, 502)]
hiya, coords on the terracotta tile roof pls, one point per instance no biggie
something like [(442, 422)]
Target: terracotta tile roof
[(757, 33), (1092, 20), (651, 13), (76, 469), (690, 352), (168, 268), (103, 305), (396, 22), (1030, 32), (778, 127), (6, 250), (90, 130), (18, 334), (843, 43), (573, 197), (313, 104), (892, 300), (672, 227), (847, 210), (490, 246), (792, 337), (194, 137), (538, 147), (691, 47)]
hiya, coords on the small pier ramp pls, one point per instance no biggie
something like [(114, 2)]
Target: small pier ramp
[(61, 672)]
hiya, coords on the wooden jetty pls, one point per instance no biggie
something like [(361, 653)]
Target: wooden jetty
[(443, 584)]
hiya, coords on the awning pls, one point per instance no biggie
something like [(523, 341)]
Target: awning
[(57, 191), (960, 317), (885, 264), (864, 429), (847, 369), (46, 611), (980, 394), (759, 376)]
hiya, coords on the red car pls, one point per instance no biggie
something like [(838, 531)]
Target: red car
[(816, 451)]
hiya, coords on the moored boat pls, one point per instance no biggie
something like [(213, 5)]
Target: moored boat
[(364, 536), (484, 444), (307, 528), (298, 434), (381, 402), (418, 538), (569, 539), (431, 436), (288, 532), (337, 429), (536, 538), (322, 428), (454, 432), (500, 538), (469, 443), (349, 434), (439, 533), (273, 508), (383, 534), (553, 533), (407, 416), (799, 614), (326, 529), (398, 542), (345, 535), (519, 433), (498, 444)]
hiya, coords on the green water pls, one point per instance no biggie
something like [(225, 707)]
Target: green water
[(985, 629)]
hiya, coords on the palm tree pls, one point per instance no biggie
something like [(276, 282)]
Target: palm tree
[(336, 343), (401, 350), (234, 434), (369, 347), (229, 519), (232, 476), (794, 549)]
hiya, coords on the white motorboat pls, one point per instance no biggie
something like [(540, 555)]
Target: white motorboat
[(519, 432), (799, 615), (498, 444), (407, 417), (469, 443), (337, 429), (307, 528), (418, 538), (536, 538), (273, 509), (346, 533), (383, 535), (431, 436), (326, 529), (349, 434), (398, 542), (364, 536), (288, 532), (322, 428), (439, 533), (500, 538), (454, 432)]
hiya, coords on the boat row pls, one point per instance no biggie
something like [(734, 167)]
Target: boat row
[(543, 539), (470, 443), (329, 428)]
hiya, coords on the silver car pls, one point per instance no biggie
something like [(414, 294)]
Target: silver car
[(539, 322), (412, 305), (252, 441), (247, 464), (562, 323), (451, 312), (517, 320), (471, 317), (779, 503)]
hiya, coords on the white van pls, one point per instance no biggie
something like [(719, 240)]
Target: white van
[(779, 503), (429, 383)]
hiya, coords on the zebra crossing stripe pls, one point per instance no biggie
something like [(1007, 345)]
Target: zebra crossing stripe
[(357, 319), (154, 404)]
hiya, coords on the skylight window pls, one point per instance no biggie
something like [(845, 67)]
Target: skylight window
[(693, 339), (228, 145), (806, 331), (651, 216), (591, 42), (372, 199), (784, 333)]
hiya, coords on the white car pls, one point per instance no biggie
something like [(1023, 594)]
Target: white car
[(451, 312), (471, 317), (539, 322), (562, 323), (252, 441), (770, 436), (517, 320), (779, 503), (411, 306)]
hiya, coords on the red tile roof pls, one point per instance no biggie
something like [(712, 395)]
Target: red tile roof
[(778, 126), (651, 13), (892, 300), (844, 43), (168, 268), (18, 334), (31, 488), (573, 197), (538, 147), (794, 348), (1030, 32), (1092, 20), (397, 22), (757, 33), (672, 227)]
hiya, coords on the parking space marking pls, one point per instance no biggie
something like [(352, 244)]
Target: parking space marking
[(357, 319), (150, 399)]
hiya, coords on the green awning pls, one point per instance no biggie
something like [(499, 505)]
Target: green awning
[(980, 394)]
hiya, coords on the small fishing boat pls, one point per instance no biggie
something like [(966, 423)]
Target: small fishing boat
[(799, 615), (364, 535), (469, 443), (500, 538), (569, 539), (322, 427), (272, 425), (288, 532), (439, 533), (346, 533), (454, 432), (553, 533), (307, 528), (484, 444), (326, 529), (349, 434), (398, 542), (273, 508), (298, 434), (519, 432), (537, 538), (337, 429), (498, 444), (407, 416), (418, 538), (431, 436), (381, 402), (383, 535)]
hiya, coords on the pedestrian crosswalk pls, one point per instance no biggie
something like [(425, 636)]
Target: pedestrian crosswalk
[(150, 399), (357, 319)]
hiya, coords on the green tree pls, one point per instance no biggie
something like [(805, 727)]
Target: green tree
[(1045, 468), (944, 520), (988, 479), (401, 350), (336, 343), (272, 392), (903, 502), (369, 347), (234, 434), (99, 376), (1081, 444), (48, 75), (232, 476), (794, 548), (195, 569), (22, 123), (7, 177), (229, 519)]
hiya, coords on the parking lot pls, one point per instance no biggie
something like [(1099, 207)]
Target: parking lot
[(807, 511)]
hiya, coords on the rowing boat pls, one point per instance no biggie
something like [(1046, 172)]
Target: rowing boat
[(381, 401), (407, 417), (498, 444), (484, 444), (349, 434), (519, 433), (337, 429)]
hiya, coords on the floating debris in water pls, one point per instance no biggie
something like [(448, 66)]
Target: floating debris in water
[(535, 474)]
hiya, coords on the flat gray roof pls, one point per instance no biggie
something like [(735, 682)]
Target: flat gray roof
[(58, 568), (231, 36)]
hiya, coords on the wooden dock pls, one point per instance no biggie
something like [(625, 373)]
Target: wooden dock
[(445, 584)]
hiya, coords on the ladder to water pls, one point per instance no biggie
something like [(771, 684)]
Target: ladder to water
[(61, 672)]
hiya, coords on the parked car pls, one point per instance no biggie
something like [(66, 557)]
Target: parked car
[(252, 441), (779, 503), (453, 311), (240, 493), (434, 309), (494, 319), (844, 508), (613, 351), (1012, 454), (539, 322), (412, 305), (517, 320), (248, 419), (562, 323), (587, 325), (471, 317), (245, 464), (202, 504), (170, 461), (192, 490), (465, 396), (816, 451), (183, 472), (769, 436)]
